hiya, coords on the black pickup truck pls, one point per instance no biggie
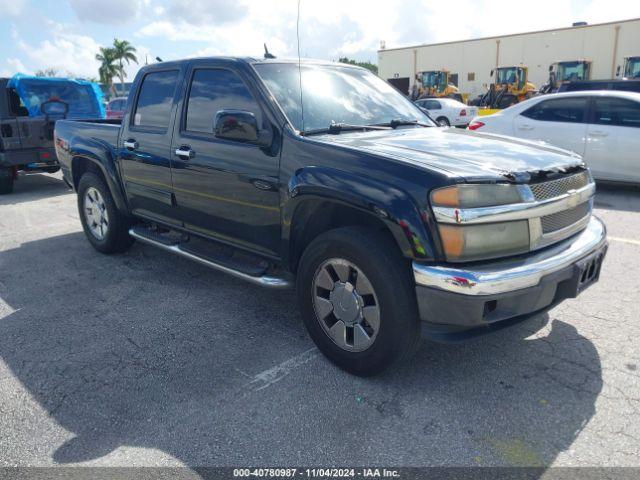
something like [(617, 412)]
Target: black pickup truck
[(322, 176), (26, 143)]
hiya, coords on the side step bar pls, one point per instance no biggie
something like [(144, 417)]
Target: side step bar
[(263, 281)]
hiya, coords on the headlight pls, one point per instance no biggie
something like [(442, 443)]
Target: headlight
[(472, 196), (480, 242)]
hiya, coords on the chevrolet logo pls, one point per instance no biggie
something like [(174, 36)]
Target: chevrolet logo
[(573, 199)]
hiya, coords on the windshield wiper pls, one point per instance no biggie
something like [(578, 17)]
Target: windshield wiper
[(396, 122), (335, 128)]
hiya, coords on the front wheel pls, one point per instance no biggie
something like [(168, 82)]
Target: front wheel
[(106, 228), (358, 300)]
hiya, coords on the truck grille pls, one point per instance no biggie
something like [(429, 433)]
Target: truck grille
[(560, 186), (560, 220)]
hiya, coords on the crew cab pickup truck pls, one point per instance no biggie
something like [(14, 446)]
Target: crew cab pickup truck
[(323, 176)]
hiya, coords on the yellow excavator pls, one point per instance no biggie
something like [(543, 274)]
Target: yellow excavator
[(510, 85), (568, 71), (437, 84)]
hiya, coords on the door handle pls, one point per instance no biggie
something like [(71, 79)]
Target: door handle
[(185, 152), (130, 144), (598, 133), (525, 127)]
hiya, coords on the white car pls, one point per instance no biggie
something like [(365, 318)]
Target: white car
[(447, 111), (602, 126)]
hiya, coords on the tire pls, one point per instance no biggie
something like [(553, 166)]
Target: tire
[(108, 231), (374, 269), (443, 122), (6, 181), (51, 169), (506, 101)]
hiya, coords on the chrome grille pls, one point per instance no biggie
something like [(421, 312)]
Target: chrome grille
[(560, 186), (560, 220)]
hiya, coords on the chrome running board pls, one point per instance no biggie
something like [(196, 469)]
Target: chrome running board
[(263, 280)]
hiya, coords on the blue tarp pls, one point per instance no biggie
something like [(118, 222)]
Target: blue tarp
[(84, 98)]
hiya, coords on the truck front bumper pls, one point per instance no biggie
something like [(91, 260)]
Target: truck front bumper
[(456, 302)]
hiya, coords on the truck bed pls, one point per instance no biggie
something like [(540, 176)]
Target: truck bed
[(94, 134)]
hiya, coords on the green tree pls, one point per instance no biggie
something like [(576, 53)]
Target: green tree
[(124, 52), (47, 72), (368, 65), (108, 68)]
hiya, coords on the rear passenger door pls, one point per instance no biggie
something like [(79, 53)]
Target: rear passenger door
[(226, 190), (559, 121), (613, 140), (145, 145)]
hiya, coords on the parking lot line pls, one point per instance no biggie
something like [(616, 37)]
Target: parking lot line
[(624, 240)]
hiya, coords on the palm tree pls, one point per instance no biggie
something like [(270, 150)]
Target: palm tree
[(108, 69), (124, 52)]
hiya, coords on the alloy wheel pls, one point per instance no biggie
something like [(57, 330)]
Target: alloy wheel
[(346, 304), (95, 212)]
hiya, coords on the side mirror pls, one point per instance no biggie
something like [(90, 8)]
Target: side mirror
[(550, 68), (618, 71), (240, 126), (491, 74)]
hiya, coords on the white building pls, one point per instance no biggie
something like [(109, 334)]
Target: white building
[(605, 44)]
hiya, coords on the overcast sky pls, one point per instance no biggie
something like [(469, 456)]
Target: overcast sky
[(66, 34)]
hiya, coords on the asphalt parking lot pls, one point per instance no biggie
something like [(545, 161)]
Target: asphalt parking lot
[(148, 359)]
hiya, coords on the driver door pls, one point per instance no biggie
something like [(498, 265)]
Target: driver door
[(224, 189)]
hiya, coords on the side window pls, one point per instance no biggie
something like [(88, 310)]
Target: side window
[(616, 111), (155, 100), (118, 105), (213, 90), (567, 110), (432, 105), (16, 105)]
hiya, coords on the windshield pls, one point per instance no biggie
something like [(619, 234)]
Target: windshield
[(633, 68), (432, 79), (571, 71), (507, 75), (335, 94)]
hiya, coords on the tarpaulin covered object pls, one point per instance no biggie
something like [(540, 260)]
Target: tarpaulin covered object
[(84, 98)]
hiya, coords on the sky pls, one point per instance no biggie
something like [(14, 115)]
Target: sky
[(66, 34)]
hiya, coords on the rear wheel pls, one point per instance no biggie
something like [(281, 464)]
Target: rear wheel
[(443, 122), (106, 228), (358, 301), (6, 180)]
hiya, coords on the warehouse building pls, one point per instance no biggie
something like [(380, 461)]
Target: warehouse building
[(470, 61)]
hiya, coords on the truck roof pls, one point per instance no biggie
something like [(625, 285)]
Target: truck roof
[(249, 60)]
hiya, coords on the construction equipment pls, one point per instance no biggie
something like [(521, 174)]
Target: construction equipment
[(631, 67), (510, 86), (437, 84), (568, 71)]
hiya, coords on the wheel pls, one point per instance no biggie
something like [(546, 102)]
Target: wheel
[(6, 181), (53, 169), (357, 300), (507, 100), (104, 225), (443, 122)]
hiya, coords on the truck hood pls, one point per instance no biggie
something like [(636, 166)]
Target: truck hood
[(460, 153)]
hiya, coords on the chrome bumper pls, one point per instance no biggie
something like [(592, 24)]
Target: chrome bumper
[(510, 275)]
